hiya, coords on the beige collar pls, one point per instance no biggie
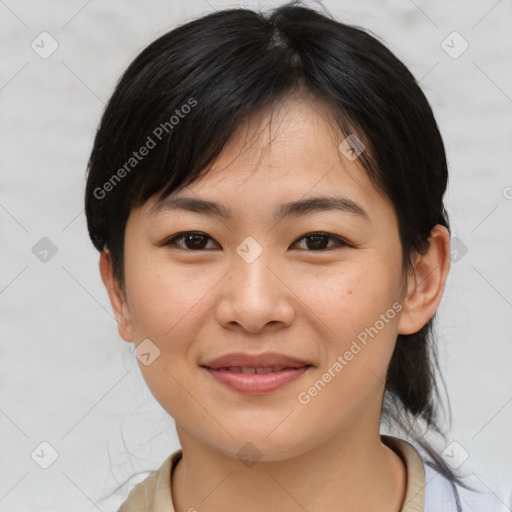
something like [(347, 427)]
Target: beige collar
[(154, 493), (414, 500)]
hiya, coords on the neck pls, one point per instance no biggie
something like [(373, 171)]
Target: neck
[(354, 471)]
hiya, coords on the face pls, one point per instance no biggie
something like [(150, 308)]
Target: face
[(320, 284)]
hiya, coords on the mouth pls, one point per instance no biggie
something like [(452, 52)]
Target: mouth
[(256, 380), (247, 370), (245, 362)]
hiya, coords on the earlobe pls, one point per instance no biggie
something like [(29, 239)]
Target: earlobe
[(426, 282), (117, 297)]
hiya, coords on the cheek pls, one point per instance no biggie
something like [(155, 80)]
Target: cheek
[(168, 301), (350, 298), (358, 311), (164, 303)]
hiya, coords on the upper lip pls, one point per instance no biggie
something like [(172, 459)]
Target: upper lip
[(264, 360)]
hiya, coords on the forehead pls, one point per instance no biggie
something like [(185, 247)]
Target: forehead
[(293, 153)]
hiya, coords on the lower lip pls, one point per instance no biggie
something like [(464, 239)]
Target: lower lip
[(256, 383)]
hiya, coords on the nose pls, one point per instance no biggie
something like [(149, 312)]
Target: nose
[(254, 296)]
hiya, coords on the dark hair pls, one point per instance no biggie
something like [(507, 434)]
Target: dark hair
[(186, 93)]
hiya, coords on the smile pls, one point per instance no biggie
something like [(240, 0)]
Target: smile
[(253, 381)]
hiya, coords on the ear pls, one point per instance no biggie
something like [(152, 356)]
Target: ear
[(117, 297), (426, 283)]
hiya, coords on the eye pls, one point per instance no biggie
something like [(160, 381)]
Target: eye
[(192, 240), (197, 241), (317, 241)]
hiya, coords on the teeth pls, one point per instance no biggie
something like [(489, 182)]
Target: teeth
[(278, 368), (248, 370), (267, 370)]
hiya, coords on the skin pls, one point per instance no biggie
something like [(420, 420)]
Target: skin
[(196, 305)]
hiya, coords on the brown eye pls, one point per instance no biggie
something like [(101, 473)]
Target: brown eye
[(198, 241), (192, 240), (319, 241)]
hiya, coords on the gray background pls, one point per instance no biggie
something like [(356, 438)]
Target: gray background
[(65, 375)]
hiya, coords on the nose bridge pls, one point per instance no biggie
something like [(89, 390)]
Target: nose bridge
[(251, 268), (254, 295)]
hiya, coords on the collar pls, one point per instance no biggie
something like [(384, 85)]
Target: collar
[(414, 500), (157, 493)]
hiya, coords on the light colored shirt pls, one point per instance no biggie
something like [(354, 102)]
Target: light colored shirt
[(427, 490)]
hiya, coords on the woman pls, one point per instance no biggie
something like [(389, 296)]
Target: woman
[(266, 192)]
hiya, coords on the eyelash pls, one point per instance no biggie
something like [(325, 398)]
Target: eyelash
[(171, 241)]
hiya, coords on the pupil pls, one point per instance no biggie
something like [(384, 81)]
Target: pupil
[(194, 239), (315, 239)]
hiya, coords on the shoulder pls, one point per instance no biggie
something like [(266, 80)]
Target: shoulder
[(429, 490), (141, 496), (154, 492), (440, 494)]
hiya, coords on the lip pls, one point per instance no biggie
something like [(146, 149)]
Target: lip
[(257, 383), (262, 360)]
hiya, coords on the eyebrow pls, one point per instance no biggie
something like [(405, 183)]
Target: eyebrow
[(294, 208)]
